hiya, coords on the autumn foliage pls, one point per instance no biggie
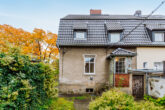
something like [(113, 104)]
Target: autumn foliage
[(39, 44)]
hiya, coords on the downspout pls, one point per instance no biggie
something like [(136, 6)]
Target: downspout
[(146, 83), (114, 72)]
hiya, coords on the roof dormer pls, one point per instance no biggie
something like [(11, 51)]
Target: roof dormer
[(80, 31), (114, 31), (156, 32)]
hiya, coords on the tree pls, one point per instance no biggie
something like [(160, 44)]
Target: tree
[(45, 44), (38, 44)]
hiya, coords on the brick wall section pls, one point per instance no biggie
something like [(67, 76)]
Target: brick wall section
[(122, 80)]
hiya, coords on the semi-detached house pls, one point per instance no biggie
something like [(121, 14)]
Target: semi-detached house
[(97, 50)]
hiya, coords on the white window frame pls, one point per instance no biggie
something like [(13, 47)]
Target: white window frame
[(145, 65), (110, 36), (125, 64), (75, 38), (158, 33), (160, 67), (94, 56)]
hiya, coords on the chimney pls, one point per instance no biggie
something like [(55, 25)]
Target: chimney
[(138, 13), (95, 12)]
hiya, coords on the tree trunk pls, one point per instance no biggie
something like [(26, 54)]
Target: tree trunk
[(40, 50)]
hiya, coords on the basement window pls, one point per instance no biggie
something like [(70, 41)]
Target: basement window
[(89, 90)]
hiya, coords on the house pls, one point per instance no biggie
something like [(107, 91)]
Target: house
[(99, 49)]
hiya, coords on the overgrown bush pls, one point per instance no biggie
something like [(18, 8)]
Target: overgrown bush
[(23, 84), (146, 105), (112, 100), (117, 100), (158, 101)]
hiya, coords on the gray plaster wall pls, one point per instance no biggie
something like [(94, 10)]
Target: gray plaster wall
[(72, 79)]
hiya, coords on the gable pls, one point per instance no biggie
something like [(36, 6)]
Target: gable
[(122, 52)]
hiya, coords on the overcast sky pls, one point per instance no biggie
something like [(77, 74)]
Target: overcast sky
[(45, 14)]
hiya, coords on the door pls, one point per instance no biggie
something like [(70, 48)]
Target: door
[(138, 86)]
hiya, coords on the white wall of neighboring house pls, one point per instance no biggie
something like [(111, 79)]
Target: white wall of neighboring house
[(156, 87), (149, 55)]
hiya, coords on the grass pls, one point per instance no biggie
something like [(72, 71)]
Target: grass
[(80, 97)]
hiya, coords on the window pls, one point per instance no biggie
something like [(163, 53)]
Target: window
[(114, 37), (80, 35), (89, 64), (158, 66), (120, 65), (89, 90), (145, 65), (159, 36)]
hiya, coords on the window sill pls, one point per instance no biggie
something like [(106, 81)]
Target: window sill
[(89, 74)]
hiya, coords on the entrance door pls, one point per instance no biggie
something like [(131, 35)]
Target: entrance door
[(138, 86)]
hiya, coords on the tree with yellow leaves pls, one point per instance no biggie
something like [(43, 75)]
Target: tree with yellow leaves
[(38, 44)]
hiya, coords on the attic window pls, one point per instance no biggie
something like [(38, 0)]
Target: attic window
[(80, 30), (159, 37), (114, 37), (79, 35)]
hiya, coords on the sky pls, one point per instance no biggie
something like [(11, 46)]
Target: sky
[(46, 14)]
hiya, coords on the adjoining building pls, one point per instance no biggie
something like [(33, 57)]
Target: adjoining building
[(98, 50)]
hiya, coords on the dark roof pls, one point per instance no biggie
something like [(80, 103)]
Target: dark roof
[(121, 52), (113, 26), (106, 17), (156, 26), (80, 25), (96, 30)]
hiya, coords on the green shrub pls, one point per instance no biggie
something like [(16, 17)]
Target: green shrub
[(158, 101), (112, 100), (146, 105), (117, 100), (25, 85)]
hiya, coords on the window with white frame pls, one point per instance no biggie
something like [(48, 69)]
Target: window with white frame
[(120, 66), (159, 37), (145, 65), (89, 64), (114, 37), (158, 66), (79, 35)]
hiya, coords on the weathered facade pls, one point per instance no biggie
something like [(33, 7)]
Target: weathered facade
[(72, 77), (97, 50)]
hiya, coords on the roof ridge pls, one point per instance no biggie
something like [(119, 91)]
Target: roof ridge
[(110, 16)]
